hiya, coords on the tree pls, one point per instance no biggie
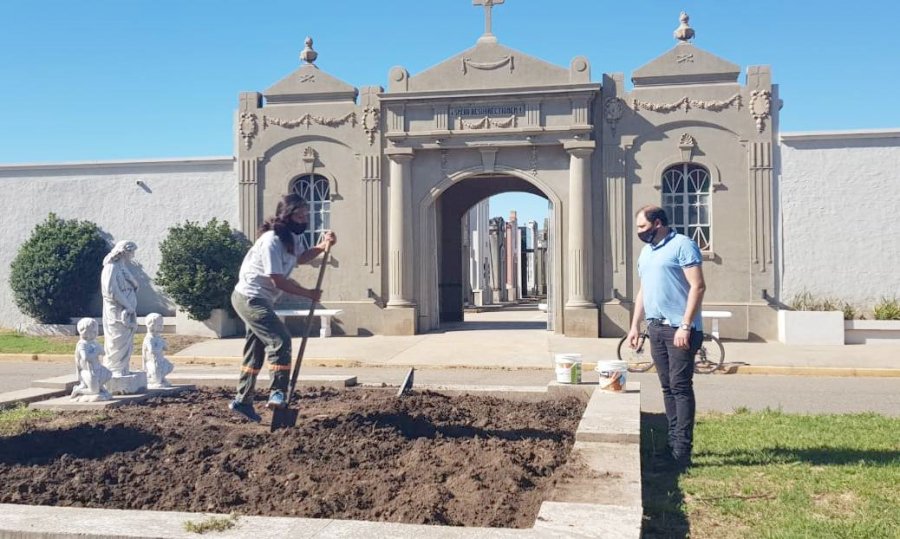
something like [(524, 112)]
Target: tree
[(200, 265), (56, 272)]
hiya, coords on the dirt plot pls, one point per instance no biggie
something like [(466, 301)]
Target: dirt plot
[(361, 454)]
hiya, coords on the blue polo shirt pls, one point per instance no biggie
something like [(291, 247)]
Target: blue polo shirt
[(663, 284)]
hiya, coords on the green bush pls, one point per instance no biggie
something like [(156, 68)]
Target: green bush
[(887, 309), (56, 272), (200, 265)]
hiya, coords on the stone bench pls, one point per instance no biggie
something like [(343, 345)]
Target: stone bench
[(324, 314)]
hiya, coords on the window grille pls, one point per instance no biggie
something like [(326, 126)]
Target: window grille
[(686, 189), (317, 193)]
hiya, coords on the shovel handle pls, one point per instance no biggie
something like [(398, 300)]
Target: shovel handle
[(308, 326)]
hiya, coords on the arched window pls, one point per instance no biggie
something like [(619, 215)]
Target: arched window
[(686, 199), (315, 190)]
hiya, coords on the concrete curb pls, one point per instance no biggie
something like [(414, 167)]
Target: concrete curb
[(780, 370)]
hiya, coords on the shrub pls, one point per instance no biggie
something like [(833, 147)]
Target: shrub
[(200, 265), (887, 309), (849, 311), (805, 301), (56, 272)]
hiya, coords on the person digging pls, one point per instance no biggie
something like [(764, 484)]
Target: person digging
[(263, 275)]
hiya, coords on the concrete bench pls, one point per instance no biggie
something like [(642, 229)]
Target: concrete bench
[(715, 316), (324, 314)]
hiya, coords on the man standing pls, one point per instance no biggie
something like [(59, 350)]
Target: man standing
[(264, 273), (670, 298)]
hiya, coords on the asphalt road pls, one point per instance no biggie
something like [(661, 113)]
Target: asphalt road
[(721, 393)]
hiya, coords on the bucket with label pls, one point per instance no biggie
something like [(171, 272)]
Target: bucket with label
[(613, 375), (568, 368)]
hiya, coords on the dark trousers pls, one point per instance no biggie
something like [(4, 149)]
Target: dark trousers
[(675, 367), (267, 337)]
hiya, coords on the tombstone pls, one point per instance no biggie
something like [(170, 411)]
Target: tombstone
[(90, 374)]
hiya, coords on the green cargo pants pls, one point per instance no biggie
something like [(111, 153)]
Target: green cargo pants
[(266, 336)]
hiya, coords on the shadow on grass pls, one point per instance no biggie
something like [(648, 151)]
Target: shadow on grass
[(817, 456), (662, 498)]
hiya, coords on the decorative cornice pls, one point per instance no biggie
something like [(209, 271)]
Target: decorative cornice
[(804, 136), (308, 120), (687, 103), (506, 60), (760, 107), (487, 123), (248, 127)]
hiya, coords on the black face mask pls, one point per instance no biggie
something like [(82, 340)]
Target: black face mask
[(647, 235), (297, 228)]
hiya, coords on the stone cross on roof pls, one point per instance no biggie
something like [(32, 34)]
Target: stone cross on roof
[(487, 4)]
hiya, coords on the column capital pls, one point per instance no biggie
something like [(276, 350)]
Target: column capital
[(580, 148), (399, 154)]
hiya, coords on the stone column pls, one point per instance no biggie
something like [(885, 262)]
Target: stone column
[(580, 271), (512, 252), (399, 234)]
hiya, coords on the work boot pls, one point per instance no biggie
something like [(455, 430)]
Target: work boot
[(276, 400), (244, 410), (670, 463)]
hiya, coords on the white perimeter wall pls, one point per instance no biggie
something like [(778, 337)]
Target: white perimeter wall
[(108, 194), (839, 198)]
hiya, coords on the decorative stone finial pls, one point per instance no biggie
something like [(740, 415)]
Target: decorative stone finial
[(684, 32), (309, 55)]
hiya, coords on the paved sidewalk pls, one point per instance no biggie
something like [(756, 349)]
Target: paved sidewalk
[(518, 339)]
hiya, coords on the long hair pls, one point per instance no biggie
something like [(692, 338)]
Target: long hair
[(279, 223)]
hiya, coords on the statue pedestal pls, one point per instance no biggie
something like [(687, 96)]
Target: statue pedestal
[(130, 384)]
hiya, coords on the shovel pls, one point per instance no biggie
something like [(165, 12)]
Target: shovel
[(287, 417)]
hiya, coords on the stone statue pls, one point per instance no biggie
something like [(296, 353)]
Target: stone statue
[(91, 375), (119, 289), (152, 353)]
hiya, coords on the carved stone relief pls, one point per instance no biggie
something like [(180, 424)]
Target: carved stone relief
[(687, 103), (613, 110), (487, 123), (760, 107), (249, 127), (510, 61), (309, 120), (370, 120), (686, 145), (309, 159)]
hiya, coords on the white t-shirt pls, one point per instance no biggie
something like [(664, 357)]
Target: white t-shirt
[(267, 257)]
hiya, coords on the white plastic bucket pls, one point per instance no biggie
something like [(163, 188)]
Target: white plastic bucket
[(568, 368), (613, 375)]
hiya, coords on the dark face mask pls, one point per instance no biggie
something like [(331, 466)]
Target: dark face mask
[(647, 235), (297, 228)]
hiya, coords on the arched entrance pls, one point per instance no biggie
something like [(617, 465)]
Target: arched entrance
[(441, 279)]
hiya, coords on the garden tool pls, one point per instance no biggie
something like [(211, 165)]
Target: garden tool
[(287, 417), (407, 384)]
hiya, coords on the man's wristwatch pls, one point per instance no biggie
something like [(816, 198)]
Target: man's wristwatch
[(686, 327)]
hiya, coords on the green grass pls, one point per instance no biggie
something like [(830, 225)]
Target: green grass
[(13, 420), (776, 475), (14, 343), (212, 524)]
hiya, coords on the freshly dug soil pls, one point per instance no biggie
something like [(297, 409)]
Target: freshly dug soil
[(357, 454)]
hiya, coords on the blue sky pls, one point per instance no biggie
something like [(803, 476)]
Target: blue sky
[(121, 79)]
